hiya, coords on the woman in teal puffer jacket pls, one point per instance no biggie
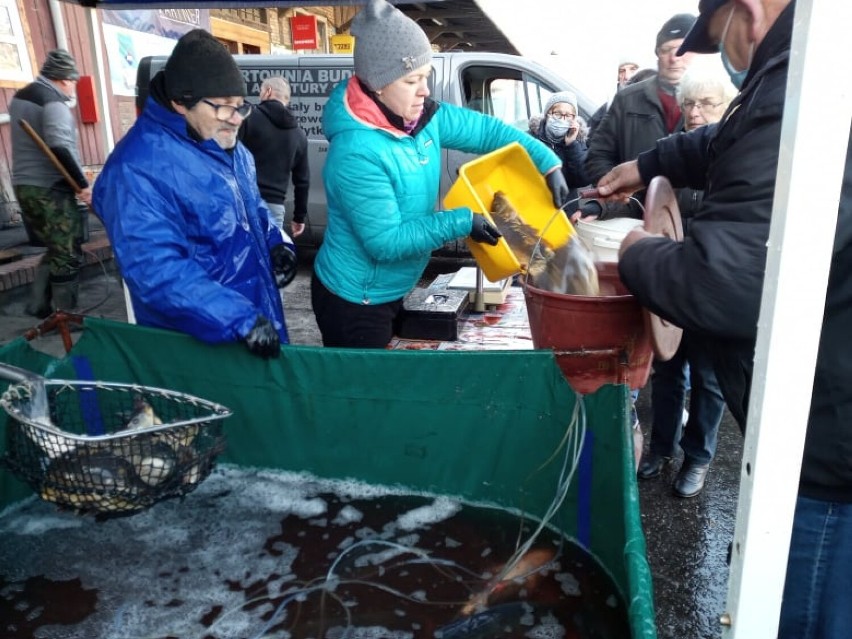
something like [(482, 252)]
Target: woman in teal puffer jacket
[(382, 178)]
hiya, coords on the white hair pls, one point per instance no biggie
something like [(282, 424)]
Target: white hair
[(705, 76), (279, 87)]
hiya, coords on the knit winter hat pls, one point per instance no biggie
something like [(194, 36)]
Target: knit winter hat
[(562, 96), (201, 67), (388, 44), (675, 28), (59, 65)]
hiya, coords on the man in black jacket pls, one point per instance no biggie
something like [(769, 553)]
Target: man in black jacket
[(641, 114), (736, 162), (280, 149)]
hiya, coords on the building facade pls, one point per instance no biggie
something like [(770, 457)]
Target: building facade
[(108, 45)]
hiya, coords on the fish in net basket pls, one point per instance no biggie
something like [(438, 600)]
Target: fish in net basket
[(107, 448)]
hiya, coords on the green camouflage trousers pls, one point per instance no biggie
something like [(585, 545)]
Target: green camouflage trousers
[(55, 221)]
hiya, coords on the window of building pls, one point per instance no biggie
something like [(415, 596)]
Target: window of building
[(15, 65), (322, 35), (245, 15)]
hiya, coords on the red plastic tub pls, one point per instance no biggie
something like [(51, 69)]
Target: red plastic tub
[(596, 340)]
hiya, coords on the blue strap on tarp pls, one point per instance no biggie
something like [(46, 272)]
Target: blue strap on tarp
[(584, 491), (88, 397)]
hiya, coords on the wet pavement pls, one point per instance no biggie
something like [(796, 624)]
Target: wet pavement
[(687, 539)]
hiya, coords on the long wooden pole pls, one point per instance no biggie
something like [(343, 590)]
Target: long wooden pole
[(50, 155)]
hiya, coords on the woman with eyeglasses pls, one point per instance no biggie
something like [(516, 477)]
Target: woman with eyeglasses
[(704, 93), (563, 130), (194, 241)]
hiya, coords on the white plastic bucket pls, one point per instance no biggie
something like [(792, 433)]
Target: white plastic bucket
[(605, 236)]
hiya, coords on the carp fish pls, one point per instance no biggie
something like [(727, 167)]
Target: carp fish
[(568, 269)]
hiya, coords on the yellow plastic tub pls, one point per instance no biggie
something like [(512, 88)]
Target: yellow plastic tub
[(511, 170)]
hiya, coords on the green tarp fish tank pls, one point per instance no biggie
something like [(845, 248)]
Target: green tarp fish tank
[(479, 426)]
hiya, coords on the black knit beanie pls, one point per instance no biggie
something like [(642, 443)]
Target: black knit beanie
[(201, 67), (59, 65)]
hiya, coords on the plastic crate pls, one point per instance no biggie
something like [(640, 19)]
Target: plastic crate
[(511, 170)]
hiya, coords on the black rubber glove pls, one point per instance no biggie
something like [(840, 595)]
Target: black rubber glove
[(558, 188), (591, 208), (262, 339), (285, 264), (484, 231)]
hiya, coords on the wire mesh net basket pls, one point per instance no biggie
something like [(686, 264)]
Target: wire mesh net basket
[(109, 448)]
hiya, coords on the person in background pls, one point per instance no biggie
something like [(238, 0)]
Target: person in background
[(280, 149), (382, 179), (692, 284), (703, 93), (559, 129), (193, 239), (640, 114), (627, 68), (605, 209), (48, 203)]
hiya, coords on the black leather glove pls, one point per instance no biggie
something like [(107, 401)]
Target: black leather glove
[(558, 188), (262, 339), (591, 208), (484, 231), (285, 264)]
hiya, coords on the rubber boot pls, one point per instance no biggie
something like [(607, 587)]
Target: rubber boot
[(39, 303), (65, 294)]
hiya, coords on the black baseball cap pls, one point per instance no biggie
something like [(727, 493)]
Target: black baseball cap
[(698, 40)]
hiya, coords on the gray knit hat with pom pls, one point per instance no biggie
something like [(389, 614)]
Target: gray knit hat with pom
[(59, 65), (388, 44)]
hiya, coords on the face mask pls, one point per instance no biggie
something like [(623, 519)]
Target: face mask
[(737, 77), (558, 129), (71, 102)]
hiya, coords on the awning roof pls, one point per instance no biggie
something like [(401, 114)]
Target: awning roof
[(450, 24)]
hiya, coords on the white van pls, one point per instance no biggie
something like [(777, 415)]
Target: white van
[(509, 87)]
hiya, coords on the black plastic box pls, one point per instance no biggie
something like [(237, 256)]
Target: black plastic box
[(432, 313)]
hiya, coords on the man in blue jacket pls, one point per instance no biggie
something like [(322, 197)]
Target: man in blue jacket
[(192, 237)]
